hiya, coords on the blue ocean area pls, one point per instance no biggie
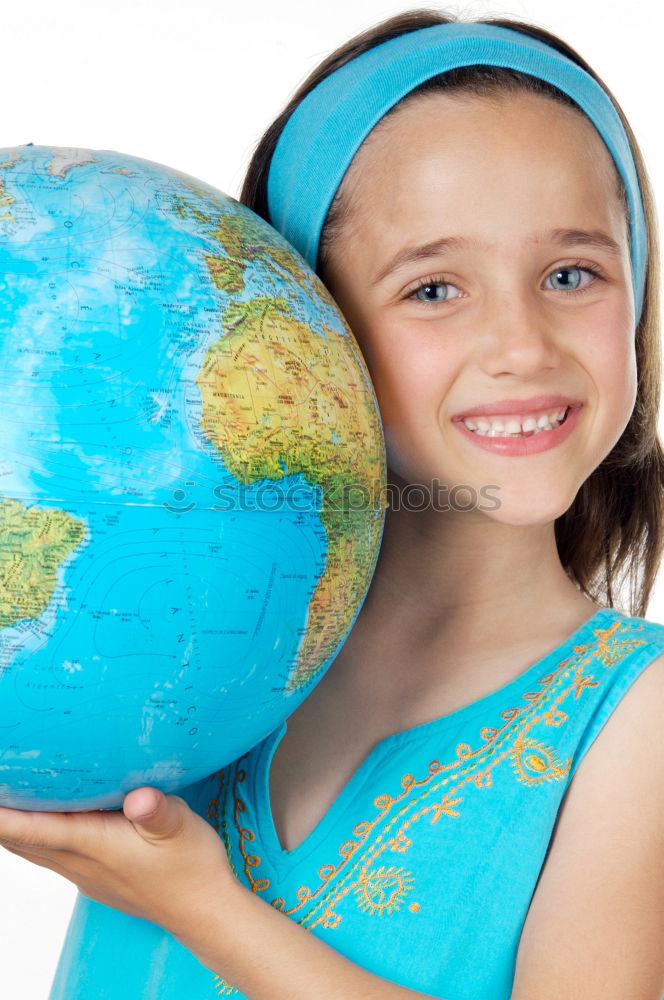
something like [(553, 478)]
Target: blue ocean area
[(179, 587)]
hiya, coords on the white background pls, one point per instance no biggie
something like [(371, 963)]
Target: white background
[(192, 83)]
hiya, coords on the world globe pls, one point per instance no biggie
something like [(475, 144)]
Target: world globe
[(191, 478)]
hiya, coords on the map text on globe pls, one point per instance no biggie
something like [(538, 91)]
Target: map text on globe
[(191, 483)]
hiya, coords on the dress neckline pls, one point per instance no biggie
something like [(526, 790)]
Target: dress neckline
[(265, 817)]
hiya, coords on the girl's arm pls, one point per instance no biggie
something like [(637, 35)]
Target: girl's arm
[(159, 861), (595, 927), (266, 955)]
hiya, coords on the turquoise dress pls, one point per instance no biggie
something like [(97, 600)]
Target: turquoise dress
[(424, 868)]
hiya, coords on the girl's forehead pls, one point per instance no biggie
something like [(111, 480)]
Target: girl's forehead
[(465, 123), (492, 174), (450, 142)]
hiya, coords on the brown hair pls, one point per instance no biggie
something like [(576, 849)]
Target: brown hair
[(610, 539)]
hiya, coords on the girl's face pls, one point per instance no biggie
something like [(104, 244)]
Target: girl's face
[(484, 268)]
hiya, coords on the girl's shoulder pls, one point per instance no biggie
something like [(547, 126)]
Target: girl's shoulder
[(599, 895), (622, 669), (651, 630), (618, 638)]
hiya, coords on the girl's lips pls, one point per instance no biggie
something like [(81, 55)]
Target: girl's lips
[(530, 444), (519, 407)]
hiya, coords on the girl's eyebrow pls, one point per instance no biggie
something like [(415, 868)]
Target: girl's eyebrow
[(412, 254), (563, 237), (593, 238)]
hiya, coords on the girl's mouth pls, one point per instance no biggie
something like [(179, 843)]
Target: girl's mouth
[(516, 427), (521, 434)]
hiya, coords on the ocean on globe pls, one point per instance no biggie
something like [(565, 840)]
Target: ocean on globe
[(191, 478)]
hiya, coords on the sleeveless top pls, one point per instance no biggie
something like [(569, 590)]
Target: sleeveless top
[(424, 867)]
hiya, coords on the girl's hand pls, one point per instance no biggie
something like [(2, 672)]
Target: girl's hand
[(160, 861), (156, 859)]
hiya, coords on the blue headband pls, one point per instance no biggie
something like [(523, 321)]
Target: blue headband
[(325, 131)]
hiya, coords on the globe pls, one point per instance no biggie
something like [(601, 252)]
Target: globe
[(191, 478)]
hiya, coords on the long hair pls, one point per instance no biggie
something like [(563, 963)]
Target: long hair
[(610, 538)]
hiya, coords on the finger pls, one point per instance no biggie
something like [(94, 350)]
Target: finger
[(43, 861), (33, 829), (156, 817), (52, 854)]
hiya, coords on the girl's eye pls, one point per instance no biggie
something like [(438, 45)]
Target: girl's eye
[(435, 291), (570, 279)]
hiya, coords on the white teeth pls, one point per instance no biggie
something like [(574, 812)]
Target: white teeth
[(512, 426)]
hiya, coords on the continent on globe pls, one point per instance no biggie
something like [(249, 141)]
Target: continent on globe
[(65, 159), (34, 543), (296, 407), (6, 200), (244, 243)]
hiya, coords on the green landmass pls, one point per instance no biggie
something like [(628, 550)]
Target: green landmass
[(279, 400), (244, 239), (33, 543), (6, 199)]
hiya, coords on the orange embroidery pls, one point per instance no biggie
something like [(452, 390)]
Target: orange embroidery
[(247, 836), (380, 888), (212, 811), (383, 890), (222, 988), (534, 763)]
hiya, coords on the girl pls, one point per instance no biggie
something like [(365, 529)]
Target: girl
[(482, 767)]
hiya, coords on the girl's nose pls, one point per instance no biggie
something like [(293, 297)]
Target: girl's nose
[(518, 337)]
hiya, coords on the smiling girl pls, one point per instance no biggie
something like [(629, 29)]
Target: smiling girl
[(469, 805)]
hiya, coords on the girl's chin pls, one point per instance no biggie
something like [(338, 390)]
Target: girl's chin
[(518, 513)]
